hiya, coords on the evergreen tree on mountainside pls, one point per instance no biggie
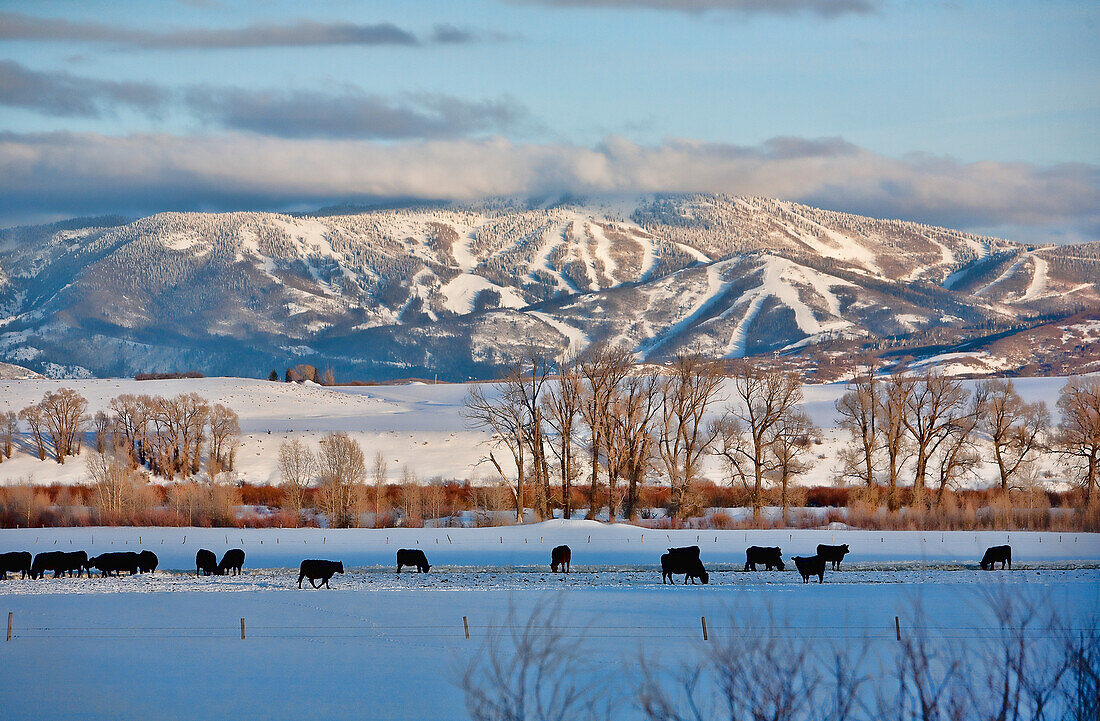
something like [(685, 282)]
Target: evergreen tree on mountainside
[(287, 378), (274, 376)]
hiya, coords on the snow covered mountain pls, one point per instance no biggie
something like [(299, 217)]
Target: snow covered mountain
[(458, 290)]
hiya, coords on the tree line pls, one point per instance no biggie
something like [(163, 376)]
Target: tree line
[(554, 426)]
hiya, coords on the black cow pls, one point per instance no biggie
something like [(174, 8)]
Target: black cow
[(412, 557), (15, 562), (810, 566), (206, 563), (148, 562), (997, 554), (560, 558), (770, 556), (232, 562), (60, 562), (686, 561), (114, 563), (314, 569), (833, 554)]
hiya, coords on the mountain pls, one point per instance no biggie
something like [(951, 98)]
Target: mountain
[(458, 290)]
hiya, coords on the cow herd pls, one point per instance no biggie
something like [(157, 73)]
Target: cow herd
[(686, 561)]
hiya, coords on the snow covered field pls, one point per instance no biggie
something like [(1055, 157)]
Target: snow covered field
[(384, 646), (417, 425)]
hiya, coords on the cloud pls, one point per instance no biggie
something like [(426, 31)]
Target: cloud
[(351, 114), (824, 8), (302, 33), (57, 174), (62, 94)]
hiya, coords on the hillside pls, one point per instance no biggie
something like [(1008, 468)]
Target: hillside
[(456, 291)]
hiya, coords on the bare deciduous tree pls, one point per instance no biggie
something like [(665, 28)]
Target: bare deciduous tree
[(35, 421), (933, 407), (1015, 428), (297, 467), (64, 420), (602, 367), (9, 428), (765, 399), (563, 409), (858, 416), (493, 411), (892, 403), (635, 407), (341, 470), (1078, 436), (378, 472), (116, 482)]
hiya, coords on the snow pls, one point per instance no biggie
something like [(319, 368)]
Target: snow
[(382, 645), (715, 286), (459, 293), (1038, 279), (578, 339)]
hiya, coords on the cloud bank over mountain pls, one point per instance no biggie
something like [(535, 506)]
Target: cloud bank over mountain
[(65, 173)]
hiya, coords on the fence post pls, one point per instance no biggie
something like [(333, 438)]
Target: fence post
[(897, 628), (10, 614), (704, 620), (466, 627), (242, 629)]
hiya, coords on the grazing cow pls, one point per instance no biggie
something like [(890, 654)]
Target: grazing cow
[(114, 563), (206, 563), (60, 562), (686, 561), (15, 562), (770, 556), (148, 562), (833, 554), (810, 566), (997, 554), (323, 570), (560, 557), (412, 557), (232, 561)]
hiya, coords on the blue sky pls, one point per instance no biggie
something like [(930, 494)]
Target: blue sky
[(998, 101)]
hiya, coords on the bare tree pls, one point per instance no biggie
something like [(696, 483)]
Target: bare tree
[(792, 438), (101, 422), (35, 421), (131, 417), (563, 410), (1078, 436), (858, 416), (602, 367), (932, 408), (765, 399), (410, 495), (64, 419), (632, 434), (9, 428), (225, 433), (378, 480), (1015, 428), (495, 412), (957, 457), (892, 404), (341, 470), (527, 385), (116, 483), (297, 467)]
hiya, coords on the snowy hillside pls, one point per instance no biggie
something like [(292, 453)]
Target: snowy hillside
[(460, 290), (419, 426)]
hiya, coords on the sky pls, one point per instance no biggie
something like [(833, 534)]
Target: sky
[(974, 114)]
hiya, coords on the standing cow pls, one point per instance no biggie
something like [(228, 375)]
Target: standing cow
[(412, 557), (314, 570), (686, 561), (997, 554), (148, 562), (770, 556), (810, 566), (15, 562), (206, 563), (232, 562), (114, 563), (560, 558), (833, 554)]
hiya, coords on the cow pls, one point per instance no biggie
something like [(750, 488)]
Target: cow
[(686, 561), (114, 563), (560, 557), (314, 569), (833, 554), (412, 557), (997, 554), (15, 562), (206, 563), (810, 566), (148, 562), (770, 556), (233, 560), (60, 562)]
